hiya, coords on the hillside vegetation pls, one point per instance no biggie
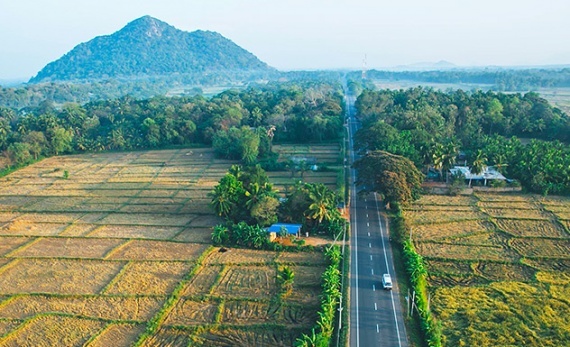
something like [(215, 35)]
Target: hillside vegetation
[(149, 47)]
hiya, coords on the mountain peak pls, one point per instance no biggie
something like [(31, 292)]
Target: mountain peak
[(147, 46), (148, 25)]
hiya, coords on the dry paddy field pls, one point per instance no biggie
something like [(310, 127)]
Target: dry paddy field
[(498, 265), (97, 259)]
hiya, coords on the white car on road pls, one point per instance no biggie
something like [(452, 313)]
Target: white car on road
[(387, 281)]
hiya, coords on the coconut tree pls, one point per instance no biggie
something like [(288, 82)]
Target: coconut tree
[(221, 201), (449, 155), (478, 165), (220, 234), (321, 200)]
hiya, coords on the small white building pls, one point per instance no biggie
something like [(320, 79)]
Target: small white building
[(489, 173)]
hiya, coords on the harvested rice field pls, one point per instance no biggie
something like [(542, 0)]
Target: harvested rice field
[(499, 275), (123, 242)]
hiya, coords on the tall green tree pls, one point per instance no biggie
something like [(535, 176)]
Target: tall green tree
[(322, 203), (479, 164), (394, 177)]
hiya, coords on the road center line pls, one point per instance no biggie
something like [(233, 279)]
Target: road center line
[(377, 328), (375, 307), (356, 265), (372, 271), (370, 256), (373, 288), (369, 233), (388, 269), (369, 245)]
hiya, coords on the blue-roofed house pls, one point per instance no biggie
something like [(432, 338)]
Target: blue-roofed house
[(292, 229)]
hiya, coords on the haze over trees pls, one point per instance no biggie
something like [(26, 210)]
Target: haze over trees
[(499, 79)]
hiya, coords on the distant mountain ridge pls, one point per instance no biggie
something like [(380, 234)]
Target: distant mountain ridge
[(150, 47), (424, 66)]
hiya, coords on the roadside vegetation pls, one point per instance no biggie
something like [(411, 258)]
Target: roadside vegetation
[(487, 269)]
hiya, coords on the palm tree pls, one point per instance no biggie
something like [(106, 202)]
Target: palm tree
[(500, 163), (321, 200), (221, 201), (236, 170), (220, 234), (286, 276), (427, 155), (449, 155), (254, 194), (438, 158), (478, 165)]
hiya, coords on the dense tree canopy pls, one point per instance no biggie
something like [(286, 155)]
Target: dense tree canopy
[(434, 129), (241, 124), (394, 177), (245, 195)]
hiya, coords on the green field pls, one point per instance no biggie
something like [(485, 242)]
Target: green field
[(324, 155), (500, 276)]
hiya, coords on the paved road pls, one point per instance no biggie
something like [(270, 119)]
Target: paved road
[(376, 316)]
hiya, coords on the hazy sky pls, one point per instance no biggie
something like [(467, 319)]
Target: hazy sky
[(305, 34)]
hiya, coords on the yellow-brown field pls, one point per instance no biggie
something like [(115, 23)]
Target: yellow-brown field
[(124, 241), (500, 278)]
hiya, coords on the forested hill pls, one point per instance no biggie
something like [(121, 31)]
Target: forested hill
[(150, 47)]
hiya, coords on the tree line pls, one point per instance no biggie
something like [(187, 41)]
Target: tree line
[(497, 79), (310, 112), (521, 135)]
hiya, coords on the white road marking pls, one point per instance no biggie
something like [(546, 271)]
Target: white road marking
[(367, 215), (368, 224), (370, 256), (377, 328), (373, 288), (375, 307), (369, 233), (353, 190), (388, 269), (369, 245), (372, 271)]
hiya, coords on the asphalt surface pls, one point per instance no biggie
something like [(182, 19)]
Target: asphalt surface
[(376, 315)]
